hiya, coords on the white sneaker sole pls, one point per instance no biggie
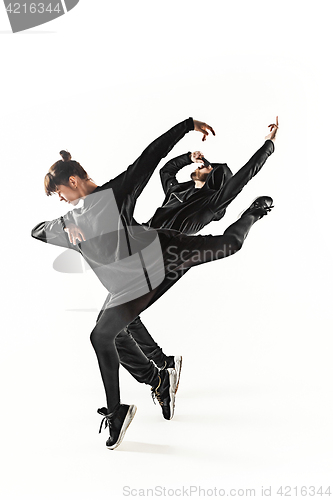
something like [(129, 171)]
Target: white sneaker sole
[(172, 390), (178, 369), (128, 419)]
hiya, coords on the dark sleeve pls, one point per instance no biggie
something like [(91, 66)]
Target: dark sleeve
[(136, 176), (170, 169), (53, 232), (235, 184)]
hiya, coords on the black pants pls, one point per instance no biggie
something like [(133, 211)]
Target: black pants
[(139, 336), (180, 253)]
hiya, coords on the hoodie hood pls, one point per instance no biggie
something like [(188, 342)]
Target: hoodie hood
[(216, 179)]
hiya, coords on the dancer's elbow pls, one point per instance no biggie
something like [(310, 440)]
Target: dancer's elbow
[(38, 232)]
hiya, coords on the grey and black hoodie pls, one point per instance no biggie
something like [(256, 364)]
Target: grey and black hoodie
[(188, 209), (126, 256)]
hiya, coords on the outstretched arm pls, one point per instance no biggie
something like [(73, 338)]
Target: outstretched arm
[(62, 232), (135, 178), (235, 184)]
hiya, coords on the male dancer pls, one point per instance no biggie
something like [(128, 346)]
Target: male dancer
[(107, 246), (188, 207)]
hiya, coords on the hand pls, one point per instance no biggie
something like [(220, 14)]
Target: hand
[(203, 128), (74, 233), (196, 157), (273, 128)]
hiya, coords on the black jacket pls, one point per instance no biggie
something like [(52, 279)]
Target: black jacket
[(188, 209)]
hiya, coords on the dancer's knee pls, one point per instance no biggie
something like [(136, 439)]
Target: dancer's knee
[(234, 245), (224, 246), (100, 338), (94, 338)]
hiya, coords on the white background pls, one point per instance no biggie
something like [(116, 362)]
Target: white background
[(254, 406)]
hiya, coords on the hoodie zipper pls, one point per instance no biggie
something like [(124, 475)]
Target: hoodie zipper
[(181, 201), (140, 254)]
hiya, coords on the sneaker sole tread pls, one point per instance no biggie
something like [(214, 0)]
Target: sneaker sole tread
[(128, 419), (172, 390)]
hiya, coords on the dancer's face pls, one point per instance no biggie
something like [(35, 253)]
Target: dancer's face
[(68, 193), (201, 173)]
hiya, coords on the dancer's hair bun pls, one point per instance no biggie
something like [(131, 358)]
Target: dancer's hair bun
[(65, 155)]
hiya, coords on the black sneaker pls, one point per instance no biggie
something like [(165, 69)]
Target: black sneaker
[(118, 421), (261, 206), (165, 392), (176, 363)]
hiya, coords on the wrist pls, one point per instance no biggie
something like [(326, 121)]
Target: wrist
[(63, 223)]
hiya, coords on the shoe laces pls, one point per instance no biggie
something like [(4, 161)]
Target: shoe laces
[(266, 207), (155, 394), (107, 418)]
